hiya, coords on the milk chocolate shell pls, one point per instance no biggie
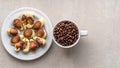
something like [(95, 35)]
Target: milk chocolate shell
[(19, 45), (33, 45), (13, 31), (30, 21), (24, 21), (15, 39), (29, 33), (27, 20), (40, 41), (37, 25), (41, 33), (17, 24)]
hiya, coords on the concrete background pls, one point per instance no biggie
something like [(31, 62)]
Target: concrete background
[(100, 49)]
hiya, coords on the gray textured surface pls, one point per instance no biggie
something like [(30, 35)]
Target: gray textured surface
[(100, 49)]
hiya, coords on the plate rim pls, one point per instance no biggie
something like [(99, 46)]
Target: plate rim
[(12, 12)]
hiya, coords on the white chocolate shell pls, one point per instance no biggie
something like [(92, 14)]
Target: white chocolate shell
[(21, 36), (30, 14), (29, 25), (33, 33), (27, 49), (42, 21), (24, 27), (45, 34), (17, 49)]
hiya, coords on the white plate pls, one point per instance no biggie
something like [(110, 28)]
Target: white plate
[(6, 39)]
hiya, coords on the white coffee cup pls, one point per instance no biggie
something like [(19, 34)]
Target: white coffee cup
[(81, 33)]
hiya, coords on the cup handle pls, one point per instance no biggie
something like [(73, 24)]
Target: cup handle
[(84, 32)]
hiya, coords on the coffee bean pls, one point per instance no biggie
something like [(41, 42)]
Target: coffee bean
[(66, 33)]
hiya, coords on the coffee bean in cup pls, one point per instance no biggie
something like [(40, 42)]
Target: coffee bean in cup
[(66, 33)]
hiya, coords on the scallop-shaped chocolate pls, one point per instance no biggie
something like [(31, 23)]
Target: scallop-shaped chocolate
[(24, 18), (15, 39), (33, 45), (17, 24), (24, 46), (13, 31), (41, 33), (37, 25), (40, 41), (30, 22), (28, 33), (19, 45), (24, 21)]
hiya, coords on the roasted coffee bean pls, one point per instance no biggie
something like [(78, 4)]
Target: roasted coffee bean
[(66, 33)]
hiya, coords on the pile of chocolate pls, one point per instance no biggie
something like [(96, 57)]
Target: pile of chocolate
[(27, 34)]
